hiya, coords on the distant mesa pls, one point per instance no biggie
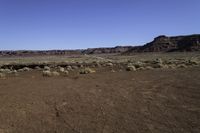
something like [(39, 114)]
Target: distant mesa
[(189, 43), (163, 43)]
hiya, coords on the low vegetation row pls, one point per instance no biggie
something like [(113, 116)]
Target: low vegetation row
[(53, 69)]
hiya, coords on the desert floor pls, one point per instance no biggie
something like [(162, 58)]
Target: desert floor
[(149, 101)]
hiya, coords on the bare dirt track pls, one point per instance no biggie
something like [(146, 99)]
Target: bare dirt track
[(150, 101)]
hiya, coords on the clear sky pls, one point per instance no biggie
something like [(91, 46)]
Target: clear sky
[(74, 24)]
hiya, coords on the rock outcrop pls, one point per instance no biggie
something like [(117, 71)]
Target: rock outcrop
[(169, 44)]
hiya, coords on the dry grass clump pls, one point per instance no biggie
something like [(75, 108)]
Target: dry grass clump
[(148, 68), (162, 66), (137, 64), (97, 64), (141, 68), (37, 68), (1, 70), (5, 70), (66, 73), (46, 73), (158, 63), (25, 69), (182, 66), (109, 64), (55, 73), (112, 70), (87, 71), (15, 72), (193, 62), (172, 66), (8, 71), (61, 69), (47, 68), (75, 67), (69, 68), (130, 68), (2, 75)]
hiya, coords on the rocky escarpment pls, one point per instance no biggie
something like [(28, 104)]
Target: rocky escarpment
[(159, 44), (170, 44)]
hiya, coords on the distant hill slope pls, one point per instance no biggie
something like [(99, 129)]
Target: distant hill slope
[(169, 44), (159, 44), (117, 49)]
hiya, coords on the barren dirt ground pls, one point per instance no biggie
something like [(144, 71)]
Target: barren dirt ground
[(150, 101)]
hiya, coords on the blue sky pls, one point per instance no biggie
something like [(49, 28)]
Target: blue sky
[(74, 24)]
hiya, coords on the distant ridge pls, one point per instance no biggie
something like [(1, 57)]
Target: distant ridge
[(161, 43)]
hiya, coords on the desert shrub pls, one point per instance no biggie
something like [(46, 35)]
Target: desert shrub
[(113, 71), (130, 68), (46, 73), (80, 66), (20, 70), (5, 70), (86, 71), (74, 67), (148, 68), (66, 73), (97, 64), (109, 64), (61, 69), (193, 62), (182, 66), (69, 68), (26, 69), (47, 68), (2, 75), (14, 72), (172, 66), (37, 68), (159, 60), (55, 73), (141, 68), (137, 64)]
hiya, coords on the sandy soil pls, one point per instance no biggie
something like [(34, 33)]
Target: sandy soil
[(151, 101)]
